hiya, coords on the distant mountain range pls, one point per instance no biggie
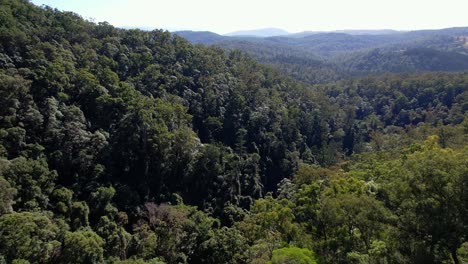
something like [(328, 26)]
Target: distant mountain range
[(263, 32), (339, 40), (277, 32), (348, 31), (274, 32), (315, 57)]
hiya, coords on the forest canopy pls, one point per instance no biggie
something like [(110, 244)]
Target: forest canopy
[(131, 146)]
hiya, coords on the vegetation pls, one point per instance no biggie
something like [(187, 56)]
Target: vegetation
[(126, 146), (313, 57)]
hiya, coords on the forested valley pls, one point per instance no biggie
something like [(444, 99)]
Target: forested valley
[(321, 57), (130, 146)]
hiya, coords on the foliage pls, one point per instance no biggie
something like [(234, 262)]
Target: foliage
[(293, 255), (82, 246), (138, 147), (29, 236)]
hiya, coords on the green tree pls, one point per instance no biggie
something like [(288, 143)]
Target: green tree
[(82, 246), (7, 195), (293, 255), (429, 193), (225, 245), (33, 181), (29, 236)]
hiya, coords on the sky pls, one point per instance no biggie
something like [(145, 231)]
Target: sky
[(224, 16)]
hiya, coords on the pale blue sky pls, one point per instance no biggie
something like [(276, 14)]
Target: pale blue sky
[(223, 16)]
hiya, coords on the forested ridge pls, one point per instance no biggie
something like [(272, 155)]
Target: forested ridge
[(128, 146), (321, 57)]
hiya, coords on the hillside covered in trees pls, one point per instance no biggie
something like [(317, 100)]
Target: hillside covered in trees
[(320, 57), (128, 146)]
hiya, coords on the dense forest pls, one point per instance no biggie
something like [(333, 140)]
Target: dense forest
[(321, 57), (131, 146)]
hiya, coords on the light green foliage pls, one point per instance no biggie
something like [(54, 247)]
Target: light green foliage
[(307, 174), (463, 253), (29, 236), (270, 218), (79, 215), (7, 195), (307, 200), (293, 255), (357, 258), (144, 242), (20, 261), (32, 180), (351, 222), (423, 186), (100, 202), (138, 261), (82, 246), (225, 245), (115, 237), (272, 224), (432, 202), (177, 230)]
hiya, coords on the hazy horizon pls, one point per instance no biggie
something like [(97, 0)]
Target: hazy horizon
[(224, 17)]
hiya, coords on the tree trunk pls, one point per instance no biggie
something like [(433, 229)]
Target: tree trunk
[(455, 256)]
